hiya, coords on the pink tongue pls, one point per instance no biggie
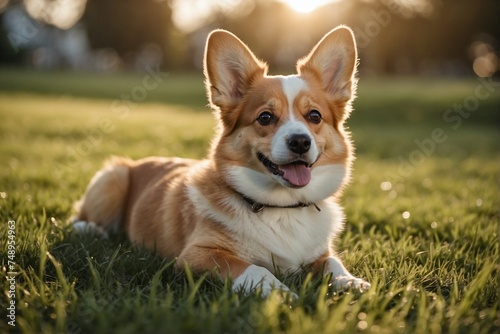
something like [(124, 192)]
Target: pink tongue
[(297, 174)]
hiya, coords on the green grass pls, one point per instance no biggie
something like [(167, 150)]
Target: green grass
[(433, 271)]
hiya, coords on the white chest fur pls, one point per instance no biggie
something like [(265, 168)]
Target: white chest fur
[(284, 237), (287, 238)]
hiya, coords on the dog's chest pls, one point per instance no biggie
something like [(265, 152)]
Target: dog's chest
[(288, 238)]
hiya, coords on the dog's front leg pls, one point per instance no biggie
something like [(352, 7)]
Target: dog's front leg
[(246, 276), (341, 278)]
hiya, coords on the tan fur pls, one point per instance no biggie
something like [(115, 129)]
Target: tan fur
[(152, 198), (105, 197), (156, 194)]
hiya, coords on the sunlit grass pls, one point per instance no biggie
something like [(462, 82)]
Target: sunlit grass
[(426, 240)]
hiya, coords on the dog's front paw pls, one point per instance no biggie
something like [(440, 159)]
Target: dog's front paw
[(84, 227), (255, 277), (343, 283)]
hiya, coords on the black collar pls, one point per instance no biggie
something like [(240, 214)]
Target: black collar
[(258, 207)]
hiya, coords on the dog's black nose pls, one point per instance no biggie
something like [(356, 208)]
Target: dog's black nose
[(299, 144)]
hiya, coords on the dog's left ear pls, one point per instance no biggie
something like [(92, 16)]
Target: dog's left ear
[(333, 61), (230, 67)]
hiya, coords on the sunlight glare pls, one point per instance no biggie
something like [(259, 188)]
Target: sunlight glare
[(189, 15), (63, 14), (306, 6)]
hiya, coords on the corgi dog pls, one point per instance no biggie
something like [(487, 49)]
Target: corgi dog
[(265, 198)]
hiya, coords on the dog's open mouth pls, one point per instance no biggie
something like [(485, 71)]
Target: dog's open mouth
[(296, 173)]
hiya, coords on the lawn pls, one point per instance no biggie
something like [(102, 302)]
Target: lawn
[(421, 212)]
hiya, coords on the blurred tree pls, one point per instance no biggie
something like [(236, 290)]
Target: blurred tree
[(276, 32), (435, 37), (138, 31), (435, 40), (130, 27), (394, 36)]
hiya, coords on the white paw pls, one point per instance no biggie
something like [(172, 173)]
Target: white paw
[(83, 227), (342, 283), (255, 277)]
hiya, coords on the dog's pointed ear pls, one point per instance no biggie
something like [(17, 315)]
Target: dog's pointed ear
[(333, 61), (229, 67)]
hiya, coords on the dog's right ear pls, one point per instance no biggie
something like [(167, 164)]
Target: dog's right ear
[(229, 67)]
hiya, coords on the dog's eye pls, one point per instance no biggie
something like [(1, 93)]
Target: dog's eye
[(265, 118), (314, 116)]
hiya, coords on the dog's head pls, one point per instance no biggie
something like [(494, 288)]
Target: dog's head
[(281, 138)]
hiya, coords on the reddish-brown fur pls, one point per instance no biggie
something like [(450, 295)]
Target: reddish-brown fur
[(149, 198)]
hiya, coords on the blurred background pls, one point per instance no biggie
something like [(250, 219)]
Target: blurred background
[(424, 65), (81, 80), (452, 38)]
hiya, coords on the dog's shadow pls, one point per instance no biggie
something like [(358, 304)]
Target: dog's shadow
[(108, 266), (92, 261)]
